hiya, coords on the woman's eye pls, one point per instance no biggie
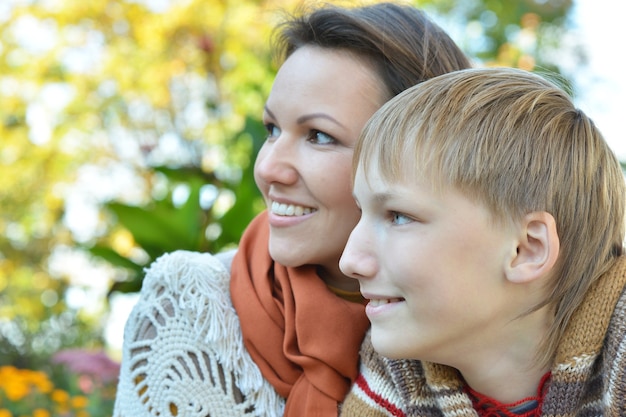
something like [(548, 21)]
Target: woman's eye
[(320, 138), (399, 218), (272, 130)]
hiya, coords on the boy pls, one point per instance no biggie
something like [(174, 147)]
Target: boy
[(490, 249)]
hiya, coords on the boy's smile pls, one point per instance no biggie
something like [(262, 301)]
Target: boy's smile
[(378, 305)]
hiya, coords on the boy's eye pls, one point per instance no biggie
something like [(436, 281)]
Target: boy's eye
[(320, 138), (399, 218), (272, 130)]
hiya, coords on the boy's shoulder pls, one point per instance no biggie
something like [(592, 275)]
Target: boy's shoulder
[(384, 386), (616, 332)]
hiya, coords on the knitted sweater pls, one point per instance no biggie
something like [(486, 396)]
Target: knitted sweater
[(588, 377), (183, 352)]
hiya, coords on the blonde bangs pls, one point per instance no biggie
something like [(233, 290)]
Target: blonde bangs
[(396, 140)]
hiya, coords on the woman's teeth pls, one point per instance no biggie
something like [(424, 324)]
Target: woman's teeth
[(379, 302), (290, 209)]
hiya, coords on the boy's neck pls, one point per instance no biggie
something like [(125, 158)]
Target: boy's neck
[(512, 388), (510, 371), (530, 406)]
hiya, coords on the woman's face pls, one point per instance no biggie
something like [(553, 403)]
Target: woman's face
[(320, 100)]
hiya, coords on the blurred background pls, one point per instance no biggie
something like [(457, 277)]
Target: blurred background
[(128, 128)]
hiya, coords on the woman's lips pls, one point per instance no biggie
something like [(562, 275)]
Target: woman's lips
[(282, 209)]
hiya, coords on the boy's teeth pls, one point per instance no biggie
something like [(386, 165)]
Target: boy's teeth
[(289, 209), (379, 302)]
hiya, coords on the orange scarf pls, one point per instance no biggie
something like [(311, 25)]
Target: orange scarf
[(304, 338)]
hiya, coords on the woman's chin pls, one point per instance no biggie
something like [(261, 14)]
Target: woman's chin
[(285, 257)]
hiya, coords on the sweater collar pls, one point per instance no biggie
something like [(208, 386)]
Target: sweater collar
[(585, 332)]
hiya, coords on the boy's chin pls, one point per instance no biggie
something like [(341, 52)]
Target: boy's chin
[(387, 345)]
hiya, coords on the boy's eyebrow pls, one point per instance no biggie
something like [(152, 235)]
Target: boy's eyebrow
[(380, 198), (268, 111)]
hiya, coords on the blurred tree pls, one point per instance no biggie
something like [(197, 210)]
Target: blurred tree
[(519, 33), (91, 92), (128, 128)]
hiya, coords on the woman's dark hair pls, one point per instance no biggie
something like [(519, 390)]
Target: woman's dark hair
[(403, 44)]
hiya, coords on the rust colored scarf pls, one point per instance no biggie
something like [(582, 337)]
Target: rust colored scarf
[(303, 337)]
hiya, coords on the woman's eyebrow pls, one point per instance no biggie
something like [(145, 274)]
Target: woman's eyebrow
[(303, 119), (307, 117)]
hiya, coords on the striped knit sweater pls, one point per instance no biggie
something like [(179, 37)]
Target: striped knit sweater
[(588, 377)]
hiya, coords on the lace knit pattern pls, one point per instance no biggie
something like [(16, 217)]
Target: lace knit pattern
[(183, 352), (588, 378)]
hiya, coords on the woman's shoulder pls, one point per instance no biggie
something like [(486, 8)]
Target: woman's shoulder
[(182, 263), (187, 277), (193, 288), (226, 258), (183, 346)]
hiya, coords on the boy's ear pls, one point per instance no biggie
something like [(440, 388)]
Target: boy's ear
[(537, 248)]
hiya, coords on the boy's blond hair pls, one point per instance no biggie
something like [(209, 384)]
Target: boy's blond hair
[(515, 142)]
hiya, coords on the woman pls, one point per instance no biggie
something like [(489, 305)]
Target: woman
[(287, 342)]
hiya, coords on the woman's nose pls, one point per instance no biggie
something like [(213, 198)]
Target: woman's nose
[(277, 162), (358, 259)]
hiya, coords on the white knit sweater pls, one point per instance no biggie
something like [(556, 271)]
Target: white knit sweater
[(183, 353)]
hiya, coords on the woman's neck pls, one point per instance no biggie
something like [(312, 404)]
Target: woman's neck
[(336, 279)]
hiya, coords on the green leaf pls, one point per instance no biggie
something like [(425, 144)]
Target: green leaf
[(114, 258)]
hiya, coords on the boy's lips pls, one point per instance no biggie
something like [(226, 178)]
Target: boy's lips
[(377, 302), (381, 306)]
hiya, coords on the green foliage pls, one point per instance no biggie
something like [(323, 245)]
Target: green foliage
[(515, 33), (95, 86), (164, 226), (27, 346)]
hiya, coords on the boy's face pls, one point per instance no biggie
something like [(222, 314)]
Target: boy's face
[(432, 266)]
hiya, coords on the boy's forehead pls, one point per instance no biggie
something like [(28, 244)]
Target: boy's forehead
[(368, 179), (392, 166), (373, 175)]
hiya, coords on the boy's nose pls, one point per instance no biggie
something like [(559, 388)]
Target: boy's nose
[(358, 259)]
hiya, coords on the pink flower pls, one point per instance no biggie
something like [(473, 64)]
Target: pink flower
[(93, 363)]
